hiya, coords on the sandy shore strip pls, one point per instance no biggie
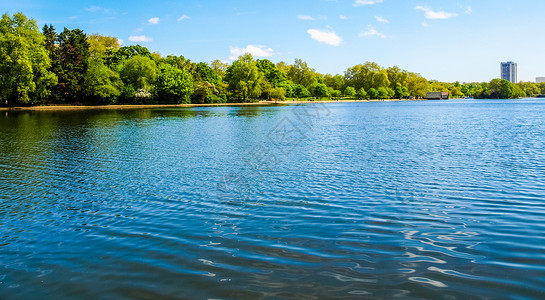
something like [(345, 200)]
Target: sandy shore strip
[(148, 106)]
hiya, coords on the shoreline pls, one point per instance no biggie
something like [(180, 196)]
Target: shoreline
[(62, 107)]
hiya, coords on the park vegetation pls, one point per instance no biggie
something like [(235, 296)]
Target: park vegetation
[(40, 67)]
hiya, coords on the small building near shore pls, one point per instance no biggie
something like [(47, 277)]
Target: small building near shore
[(437, 95)]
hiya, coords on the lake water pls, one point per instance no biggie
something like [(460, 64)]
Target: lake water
[(433, 200)]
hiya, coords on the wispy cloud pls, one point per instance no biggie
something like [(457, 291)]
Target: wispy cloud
[(366, 2), (140, 38), (325, 36), (381, 19), (184, 17), (467, 9), (430, 14), (371, 31), (153, 21), (305, 17), (99, 9), (343, 17), (254, 50)]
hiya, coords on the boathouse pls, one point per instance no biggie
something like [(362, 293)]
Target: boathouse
[(437, 95)]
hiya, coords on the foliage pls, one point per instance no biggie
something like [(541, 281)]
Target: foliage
[(115, 57), (361, 94), (350, 91), (243, 78), (70, 59), (278, 94), (319, 90), (206, 73), (24, 61), (500, 89), (373, 93), (271, 73), (102, 85), (299, 91), (173, 84), (140, 72), (72, 66), (100, 45), (301, 73)]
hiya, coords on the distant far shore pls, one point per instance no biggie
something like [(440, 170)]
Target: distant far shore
[(144, 106)]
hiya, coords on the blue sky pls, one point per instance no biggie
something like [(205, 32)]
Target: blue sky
[(462, 40)]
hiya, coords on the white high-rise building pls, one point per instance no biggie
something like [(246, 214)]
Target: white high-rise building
[(540, 79), (509, 71)]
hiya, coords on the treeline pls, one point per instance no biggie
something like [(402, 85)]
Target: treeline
[(45, 66)]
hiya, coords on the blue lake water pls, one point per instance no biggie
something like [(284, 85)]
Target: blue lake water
[(410, 200)]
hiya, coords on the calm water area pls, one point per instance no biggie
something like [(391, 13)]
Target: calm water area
[(380, 200)]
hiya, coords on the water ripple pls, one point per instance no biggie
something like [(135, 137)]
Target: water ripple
[(403, 200)]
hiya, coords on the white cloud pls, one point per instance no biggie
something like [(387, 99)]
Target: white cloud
[(381, 19), (184, 17), (425, 24), (325, 36), (371, 32), (100, 9), (430, 14), (140, 38), (467, 9), (254, 50), (343, 17), (153, 20), (305, 17), (120, 42), (366, 2)]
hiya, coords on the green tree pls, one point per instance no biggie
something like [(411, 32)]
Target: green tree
[(363, 76), (380, 79), (138, 74), (417, 85), (116, 57), (173, 84), (219, 67), (24, 60), (456, 91), (301, 73), (100, 45), (336, 82), (373, 93), (206, 73), (271, 72), (397, 78), (299, 91), (361, 94), (530, 89), (102, 85), (335, 93), (278, 94), (350, 91), (401, 92), (319, 90), (70, 63), (243, 78), (383, 93)]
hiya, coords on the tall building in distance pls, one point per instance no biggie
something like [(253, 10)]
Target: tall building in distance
[(509, 71), (540, 79)]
